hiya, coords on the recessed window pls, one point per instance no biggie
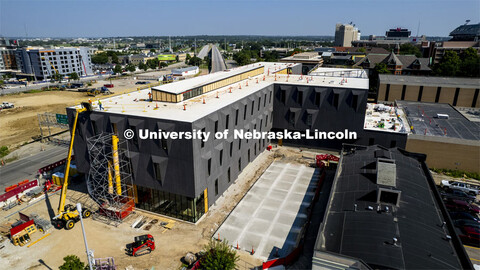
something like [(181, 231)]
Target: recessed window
[(283, 96), (240, 164), (164, 144), (216, 187), (216, 126), (253, 105), (202, 142), (231, 149), (227, 121), (355, 101), (245, 112), (300, 97), (259, 100), (317, 98), (292, 118), (336, 97), (228, 175), (309, 119), (209, 166), (221, 157), (158, 174)]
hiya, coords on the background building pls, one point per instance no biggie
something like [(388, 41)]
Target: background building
[(455, 91), (8, 63), (43, 63), (345, 34)]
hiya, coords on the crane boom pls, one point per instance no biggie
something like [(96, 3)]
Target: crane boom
[(63, 195)]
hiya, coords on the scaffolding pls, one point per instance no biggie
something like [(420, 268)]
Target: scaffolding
[(109, 180)]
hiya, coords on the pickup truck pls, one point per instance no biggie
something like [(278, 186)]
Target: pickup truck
[(467, 188)]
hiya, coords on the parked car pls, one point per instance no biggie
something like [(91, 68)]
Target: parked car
[(463, 215), (470, 189), (109, 85), (6, 105), (142, 82), (461, 206), (77, 85), (457, 195), (469, 231)]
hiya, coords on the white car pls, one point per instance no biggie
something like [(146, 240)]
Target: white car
[(6, 105), (467, 188)]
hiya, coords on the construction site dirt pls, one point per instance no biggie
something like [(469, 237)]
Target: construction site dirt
[(173, 238)]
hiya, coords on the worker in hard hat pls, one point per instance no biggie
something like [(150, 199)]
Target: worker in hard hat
[(100, 105), (150, 96)]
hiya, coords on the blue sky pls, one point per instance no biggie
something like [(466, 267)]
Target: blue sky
[(86, 18)]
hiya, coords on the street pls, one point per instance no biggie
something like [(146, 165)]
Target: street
[(27, 168)]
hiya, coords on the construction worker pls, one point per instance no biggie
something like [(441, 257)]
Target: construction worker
[(90, 101), (100, 105), (150, 96)]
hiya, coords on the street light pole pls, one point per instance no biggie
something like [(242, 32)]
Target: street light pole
[(89, 252)]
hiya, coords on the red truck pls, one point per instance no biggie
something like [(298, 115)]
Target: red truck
[(109, 85)]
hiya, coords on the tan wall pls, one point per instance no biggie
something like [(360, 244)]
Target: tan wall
[(429, 93), (447, 153), (447, 95), (411, 92), (395, 92), (382, 89), (465, 97)]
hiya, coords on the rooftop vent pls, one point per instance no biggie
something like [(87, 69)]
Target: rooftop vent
[(442, 116)]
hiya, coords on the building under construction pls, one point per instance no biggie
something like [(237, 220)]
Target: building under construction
[(181, 178)]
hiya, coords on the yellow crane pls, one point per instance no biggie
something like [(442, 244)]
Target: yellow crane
[(68, 214)]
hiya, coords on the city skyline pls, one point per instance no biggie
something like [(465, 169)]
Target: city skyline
[(188, 18)]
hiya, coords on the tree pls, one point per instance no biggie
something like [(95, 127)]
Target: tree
[(219, 256), (115, 59), (163, 64), (153, 63), (57, 76), (470, 63), (117, 69), (100, 58), (362, 49), (131, 67), (74, 76), (72, 262), (177, 58), (187, 57), (195, 61), (381, 68), (142, 66), (153, 50), (449, 65), (410, 49)]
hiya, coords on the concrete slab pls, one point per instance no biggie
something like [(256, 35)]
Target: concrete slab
[(272, 214)]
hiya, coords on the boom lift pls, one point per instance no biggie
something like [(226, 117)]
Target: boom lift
[(68, 214)]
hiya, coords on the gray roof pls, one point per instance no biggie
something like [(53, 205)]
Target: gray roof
[(408, 62), (367, 232), (423, 117), (454, 82)]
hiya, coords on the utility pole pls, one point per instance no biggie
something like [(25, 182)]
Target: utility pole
[(195, 50), (89, 252), (170, 44)]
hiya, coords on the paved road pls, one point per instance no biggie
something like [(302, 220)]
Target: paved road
[(217, 60), (27, 168), (204, 51)]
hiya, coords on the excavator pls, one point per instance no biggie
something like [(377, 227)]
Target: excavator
[(68, 214)]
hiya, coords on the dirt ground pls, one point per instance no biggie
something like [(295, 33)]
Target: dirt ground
[(20, 124), (109, 241)]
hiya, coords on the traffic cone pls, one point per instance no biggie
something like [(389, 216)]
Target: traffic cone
[(156, 105), (238, 246), (264, 77), (246, 84), (239, 86), (257, 80), (230, 89), (203, 100), (218, 237), (217, 94), (184, 107), (253, 251)]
